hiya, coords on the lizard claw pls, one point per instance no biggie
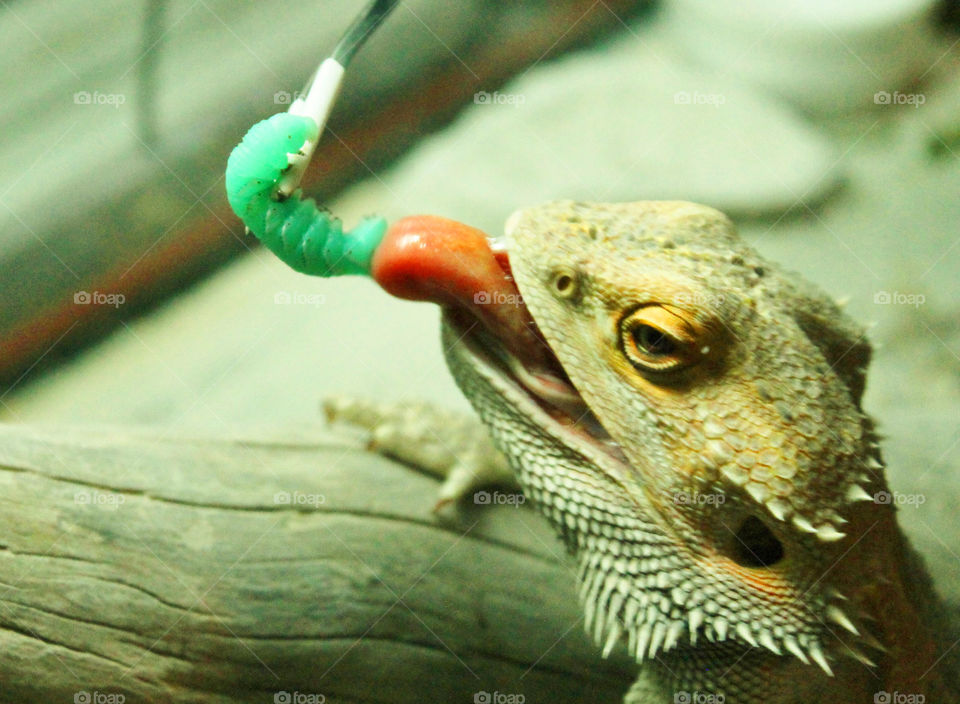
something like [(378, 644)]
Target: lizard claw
[(454, 447)]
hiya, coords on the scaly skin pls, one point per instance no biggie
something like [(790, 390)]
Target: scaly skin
[(726, 529), (717, 481)]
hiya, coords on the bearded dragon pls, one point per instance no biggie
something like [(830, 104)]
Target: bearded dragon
[(687, 416)]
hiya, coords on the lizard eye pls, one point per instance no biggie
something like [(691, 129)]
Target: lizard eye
[(656, 339), (652, 341)]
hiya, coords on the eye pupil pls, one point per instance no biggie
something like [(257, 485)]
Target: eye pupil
[(563, 283), (653, 341)]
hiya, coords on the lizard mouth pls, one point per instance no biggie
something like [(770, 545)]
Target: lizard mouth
[(543, 393), (468, 274)]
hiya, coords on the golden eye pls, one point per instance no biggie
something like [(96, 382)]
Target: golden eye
[(652, 341), (657, 339)]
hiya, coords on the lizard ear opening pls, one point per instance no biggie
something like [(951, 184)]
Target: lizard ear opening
[(755, 545)]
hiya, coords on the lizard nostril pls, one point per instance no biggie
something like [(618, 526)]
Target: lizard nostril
[(564, 283), (755, 545)]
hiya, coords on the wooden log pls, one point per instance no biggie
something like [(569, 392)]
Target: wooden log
[(137, 567)]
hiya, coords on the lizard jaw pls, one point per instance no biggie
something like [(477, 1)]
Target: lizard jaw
[(543, 393)]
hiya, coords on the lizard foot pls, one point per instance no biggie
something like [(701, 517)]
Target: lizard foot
[(452, 446)]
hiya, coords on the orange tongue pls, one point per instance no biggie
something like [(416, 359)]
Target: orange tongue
[(429, 258)]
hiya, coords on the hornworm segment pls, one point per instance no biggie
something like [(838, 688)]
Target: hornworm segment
[(265, 169)]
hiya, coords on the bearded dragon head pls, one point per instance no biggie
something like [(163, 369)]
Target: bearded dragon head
[(697, 438)]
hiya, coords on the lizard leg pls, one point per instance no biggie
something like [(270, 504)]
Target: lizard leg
[(449, 445)]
